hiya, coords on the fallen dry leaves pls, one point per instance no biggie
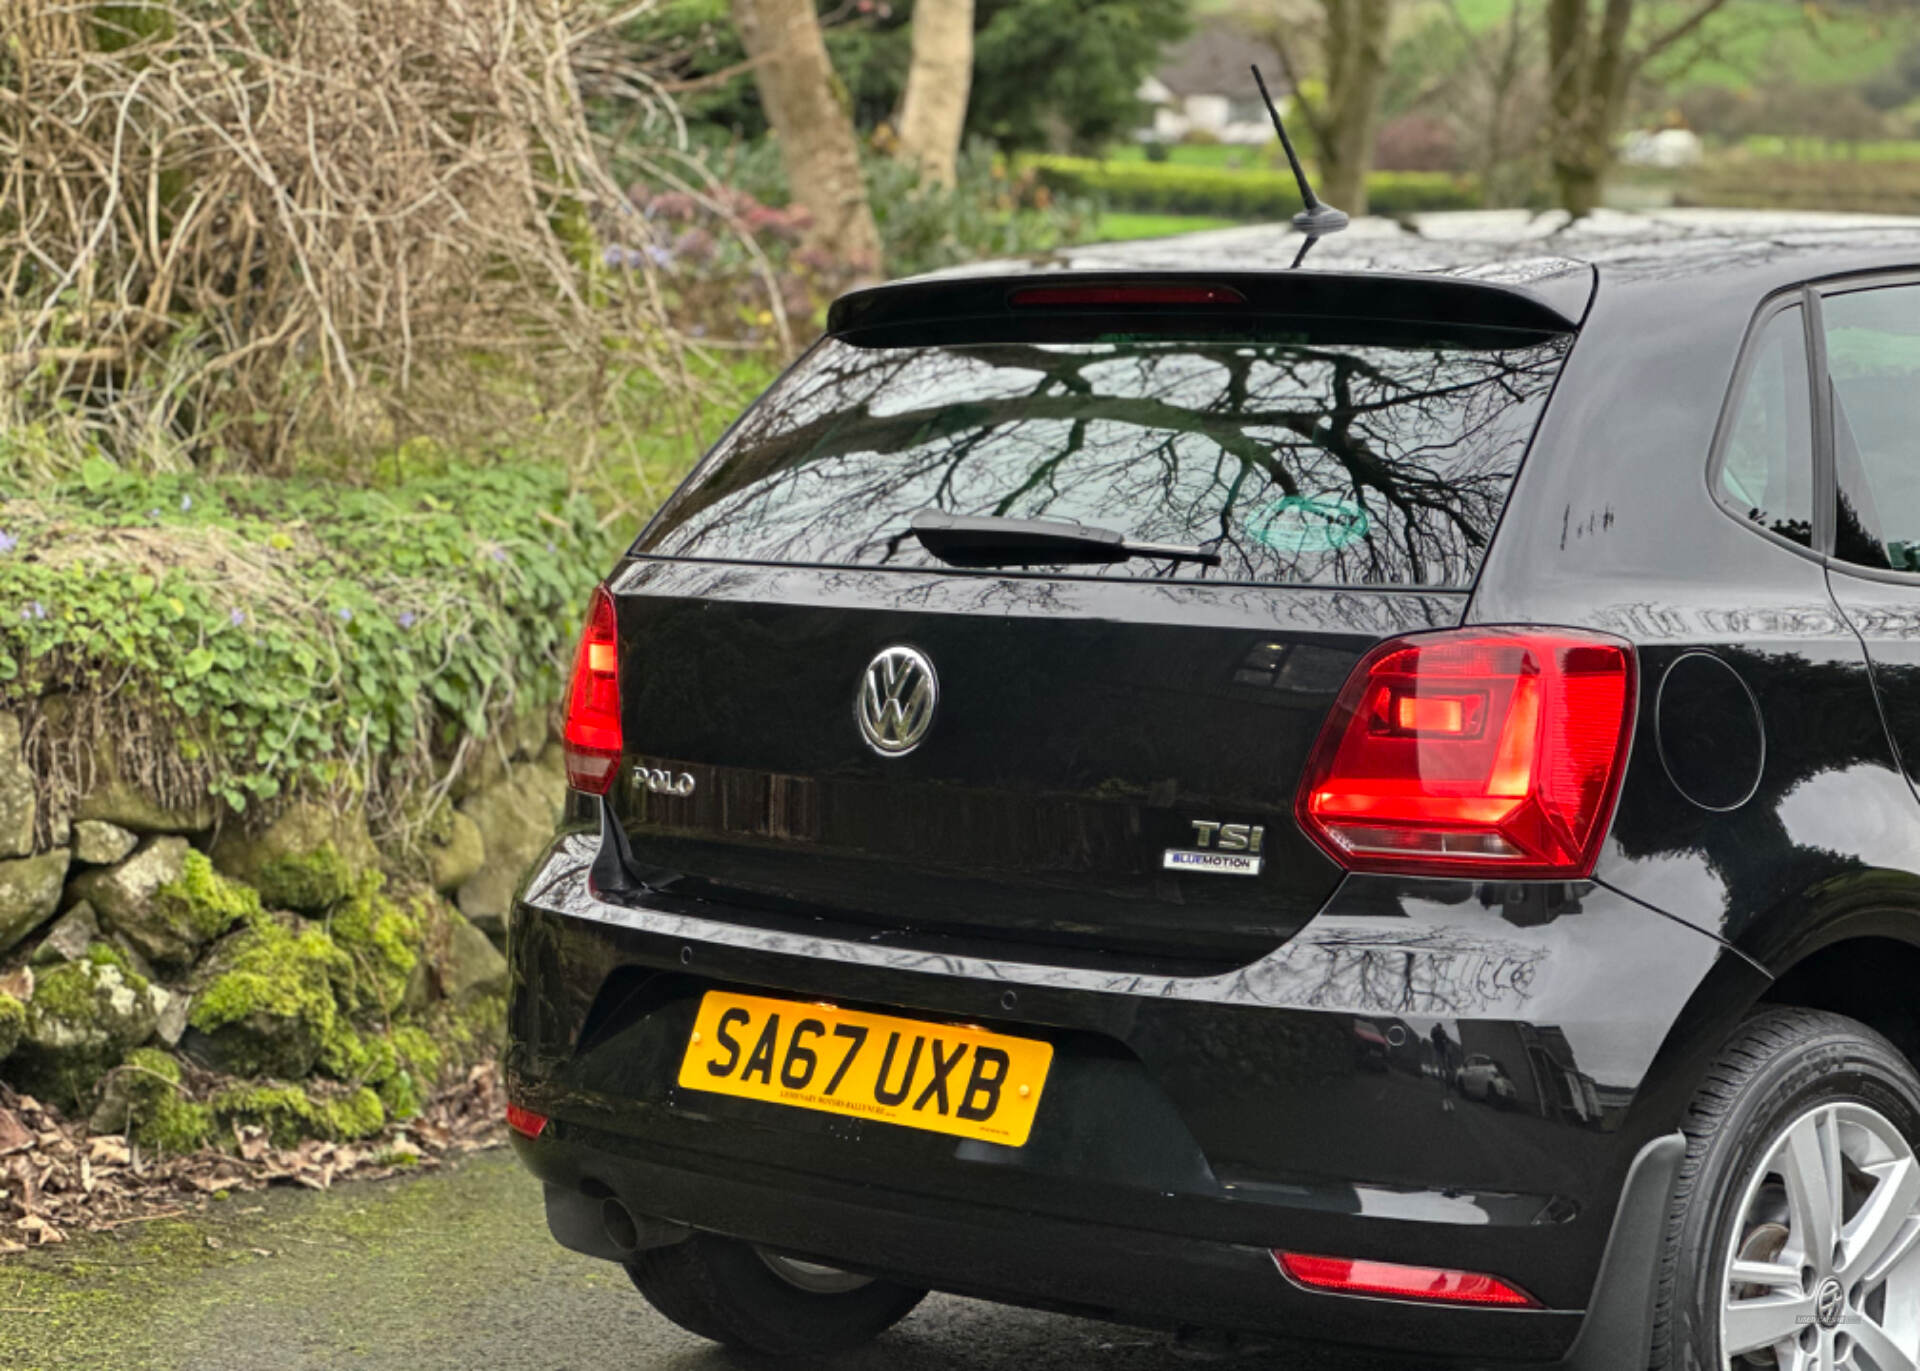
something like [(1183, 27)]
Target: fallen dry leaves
[(56, 1179)]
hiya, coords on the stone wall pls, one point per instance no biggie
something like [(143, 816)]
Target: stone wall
[(169, 970)]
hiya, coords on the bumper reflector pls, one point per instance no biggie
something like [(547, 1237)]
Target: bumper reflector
[(1385, 1280), (525, 1122)]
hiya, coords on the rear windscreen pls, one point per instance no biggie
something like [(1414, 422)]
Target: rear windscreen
[(1293, 462)]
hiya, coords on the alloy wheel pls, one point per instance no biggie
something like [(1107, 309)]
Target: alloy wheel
[(1822, 1272)]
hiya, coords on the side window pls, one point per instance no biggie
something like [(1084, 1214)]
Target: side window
[(1873, 357), (1766, 469)]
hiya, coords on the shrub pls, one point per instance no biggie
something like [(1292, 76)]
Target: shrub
[(1417, 142), (1176, 188), (256, 225), (251, 637)]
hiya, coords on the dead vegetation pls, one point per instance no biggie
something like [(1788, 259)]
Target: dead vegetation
[(232, 231), (56, 1179)]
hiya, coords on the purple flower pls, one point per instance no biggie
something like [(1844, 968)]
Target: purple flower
[(614, 256), (499, 554), (186, 502), (33, 610), (153, 514), (346, 615), (550, 546), (406, 619), (237, 617), (8, 542), (661, 257)]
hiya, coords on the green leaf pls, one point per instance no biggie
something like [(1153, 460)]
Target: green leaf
[(97, 473)]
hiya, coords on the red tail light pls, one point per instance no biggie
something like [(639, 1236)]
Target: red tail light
[(1474, 753), (525, 1122), (1344, 1276), (592, 731)]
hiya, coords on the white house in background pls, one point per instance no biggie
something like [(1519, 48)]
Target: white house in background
[(1203, 86), (1669, 149)]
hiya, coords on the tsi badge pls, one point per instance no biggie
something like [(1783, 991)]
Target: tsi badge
[(1220, 849)]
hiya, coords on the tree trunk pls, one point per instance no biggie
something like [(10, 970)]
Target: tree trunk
[(1356, 70), (1588, 71), (933, 111), (805, 106)]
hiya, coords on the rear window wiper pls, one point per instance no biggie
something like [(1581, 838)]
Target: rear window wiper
[(992, 540)]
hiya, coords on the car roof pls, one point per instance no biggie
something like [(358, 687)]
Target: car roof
[(1557, 263)]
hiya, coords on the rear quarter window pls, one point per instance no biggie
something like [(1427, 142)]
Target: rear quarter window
[(1298, 462)]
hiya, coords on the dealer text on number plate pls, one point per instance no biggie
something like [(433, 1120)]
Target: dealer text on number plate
[(944, 1078)]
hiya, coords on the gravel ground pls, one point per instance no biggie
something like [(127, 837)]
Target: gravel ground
[(452, 1272)]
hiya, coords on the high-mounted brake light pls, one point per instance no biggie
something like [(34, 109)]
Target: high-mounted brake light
[(525, 1122), (1167, 293), (1387, 1280), (1474, 752), (592, 730)]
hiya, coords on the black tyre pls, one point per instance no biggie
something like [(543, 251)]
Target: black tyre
[(733, 1293), (1794, 1238)]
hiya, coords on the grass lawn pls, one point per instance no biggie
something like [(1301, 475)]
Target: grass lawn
[(1119, 228)]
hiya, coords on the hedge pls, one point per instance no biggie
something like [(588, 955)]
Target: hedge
[(1176, 188), (1846, 186)]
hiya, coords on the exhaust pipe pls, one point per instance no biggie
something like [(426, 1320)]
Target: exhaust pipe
[(619, 1226), (630, 1233), (599, 1225)]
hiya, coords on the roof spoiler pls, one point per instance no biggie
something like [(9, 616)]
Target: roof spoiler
[(991, 308)]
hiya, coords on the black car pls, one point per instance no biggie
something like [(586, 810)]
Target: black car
[(1371, 802)]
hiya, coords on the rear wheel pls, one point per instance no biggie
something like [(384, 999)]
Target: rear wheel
[(743, 1296), (1794, 1239)]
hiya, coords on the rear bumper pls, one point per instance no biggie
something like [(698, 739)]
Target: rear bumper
[(1102, 1270), (1313, 1102)]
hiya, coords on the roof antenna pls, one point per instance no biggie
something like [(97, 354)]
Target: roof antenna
[(1317, 220)]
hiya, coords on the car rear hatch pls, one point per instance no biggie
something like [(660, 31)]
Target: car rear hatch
[(1086, 762)]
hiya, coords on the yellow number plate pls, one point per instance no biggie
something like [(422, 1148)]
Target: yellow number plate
[(943, 1078)]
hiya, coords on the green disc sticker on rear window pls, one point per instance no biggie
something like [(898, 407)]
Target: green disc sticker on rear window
[(1309, 523)]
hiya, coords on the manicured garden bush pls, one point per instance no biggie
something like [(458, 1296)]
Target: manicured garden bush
[(1179, 188)]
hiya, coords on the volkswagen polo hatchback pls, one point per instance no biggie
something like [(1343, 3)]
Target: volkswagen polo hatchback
[(1369, 802)]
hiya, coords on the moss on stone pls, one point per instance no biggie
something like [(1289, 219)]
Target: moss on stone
[(356, 1115), (206, 902), (67, 992), (106, 954), (176, 1125), (418, 1051), (271, 1010), (290, 1114), (13, 1022), (161, 1072), (375, 1060), (275, 972), (384, 940), (83, 1018), (470, 1031), (147, 1103), (307, 880)]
